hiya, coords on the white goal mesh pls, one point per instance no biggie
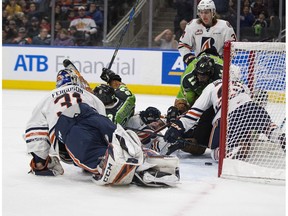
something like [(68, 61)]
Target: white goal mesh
[(255, 132)]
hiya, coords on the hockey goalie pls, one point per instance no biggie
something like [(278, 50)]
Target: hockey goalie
[(72, 117)]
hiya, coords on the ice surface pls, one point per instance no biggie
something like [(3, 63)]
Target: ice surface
[(200, 192)]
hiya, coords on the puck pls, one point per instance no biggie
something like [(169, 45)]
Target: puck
[(208, 163)]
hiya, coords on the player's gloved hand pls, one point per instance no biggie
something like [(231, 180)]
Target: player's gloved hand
[(188, 58), (175, 131), (151, 114), (49, 167), (108, 75), (172, 114)]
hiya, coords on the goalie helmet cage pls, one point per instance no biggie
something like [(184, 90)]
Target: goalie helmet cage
[(262, 67)]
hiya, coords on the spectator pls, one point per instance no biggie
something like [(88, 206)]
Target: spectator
[(24, 5), (12, 8), (34, 28), (246, 3), (45, 23), (5, 39), (96, 14), (59, 14), (57, 28), (32, 12), (78, 37), (246, 18), (11, 30), (71, 15), (64, 39), (166, 40), (259, 24), (84, 24), (22, 38), (258, 7), (24, 22), (43, 38), (179, 33)]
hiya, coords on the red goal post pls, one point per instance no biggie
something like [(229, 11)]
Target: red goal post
[(261, 66)]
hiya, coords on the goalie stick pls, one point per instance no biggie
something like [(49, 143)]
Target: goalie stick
[(124, 30)]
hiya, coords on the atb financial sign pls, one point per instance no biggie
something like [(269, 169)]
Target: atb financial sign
[(172, 67)]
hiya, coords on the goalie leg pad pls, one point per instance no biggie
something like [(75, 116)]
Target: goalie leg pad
[(113, 172), (121, 159)]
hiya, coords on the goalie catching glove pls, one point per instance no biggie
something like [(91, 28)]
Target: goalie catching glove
[(175, 131), (108, 75), (49, 167)]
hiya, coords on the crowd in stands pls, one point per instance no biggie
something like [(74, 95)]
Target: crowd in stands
[(80, 22), (77, 22), (258, 18)]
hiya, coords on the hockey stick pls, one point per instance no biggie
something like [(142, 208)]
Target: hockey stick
[(179, 144), (156, 131), (69, 65), (124, 30)]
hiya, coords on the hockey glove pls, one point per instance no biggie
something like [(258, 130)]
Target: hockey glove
[(108, 75), (188, 58), (49, 167), (172, 114), (175, 131), (151, 114)]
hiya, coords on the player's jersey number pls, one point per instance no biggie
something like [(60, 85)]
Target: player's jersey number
[(67, 99)]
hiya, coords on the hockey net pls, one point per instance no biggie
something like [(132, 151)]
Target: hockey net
[(262, 68)]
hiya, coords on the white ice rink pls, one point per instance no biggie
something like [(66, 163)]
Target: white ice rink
[(200, 193)]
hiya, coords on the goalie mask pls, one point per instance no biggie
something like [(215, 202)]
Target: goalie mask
[(67, 77), (105, 93)]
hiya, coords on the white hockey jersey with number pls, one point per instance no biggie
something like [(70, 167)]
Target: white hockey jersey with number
[(198, 38), (39, 134), (212, 95)]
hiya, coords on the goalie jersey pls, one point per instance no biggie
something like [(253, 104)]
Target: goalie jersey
[(198, 38), (40, 134)]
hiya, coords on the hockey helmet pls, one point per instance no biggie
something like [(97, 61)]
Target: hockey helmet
[(105, 93), (206, 5), (205, 66), (67, 77), (151, 114)]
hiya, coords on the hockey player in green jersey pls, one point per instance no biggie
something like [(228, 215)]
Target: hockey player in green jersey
[(206, 68)]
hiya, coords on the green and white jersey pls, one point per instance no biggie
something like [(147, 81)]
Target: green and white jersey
[(190, 88), (124, 108)]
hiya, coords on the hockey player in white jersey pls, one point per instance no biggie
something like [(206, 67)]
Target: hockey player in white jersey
[(75, 117), (205, 32), (257, 119)]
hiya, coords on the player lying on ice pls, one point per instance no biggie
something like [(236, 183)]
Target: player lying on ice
[(72, 115), (257, 119), (204, 69), (119, 102)]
